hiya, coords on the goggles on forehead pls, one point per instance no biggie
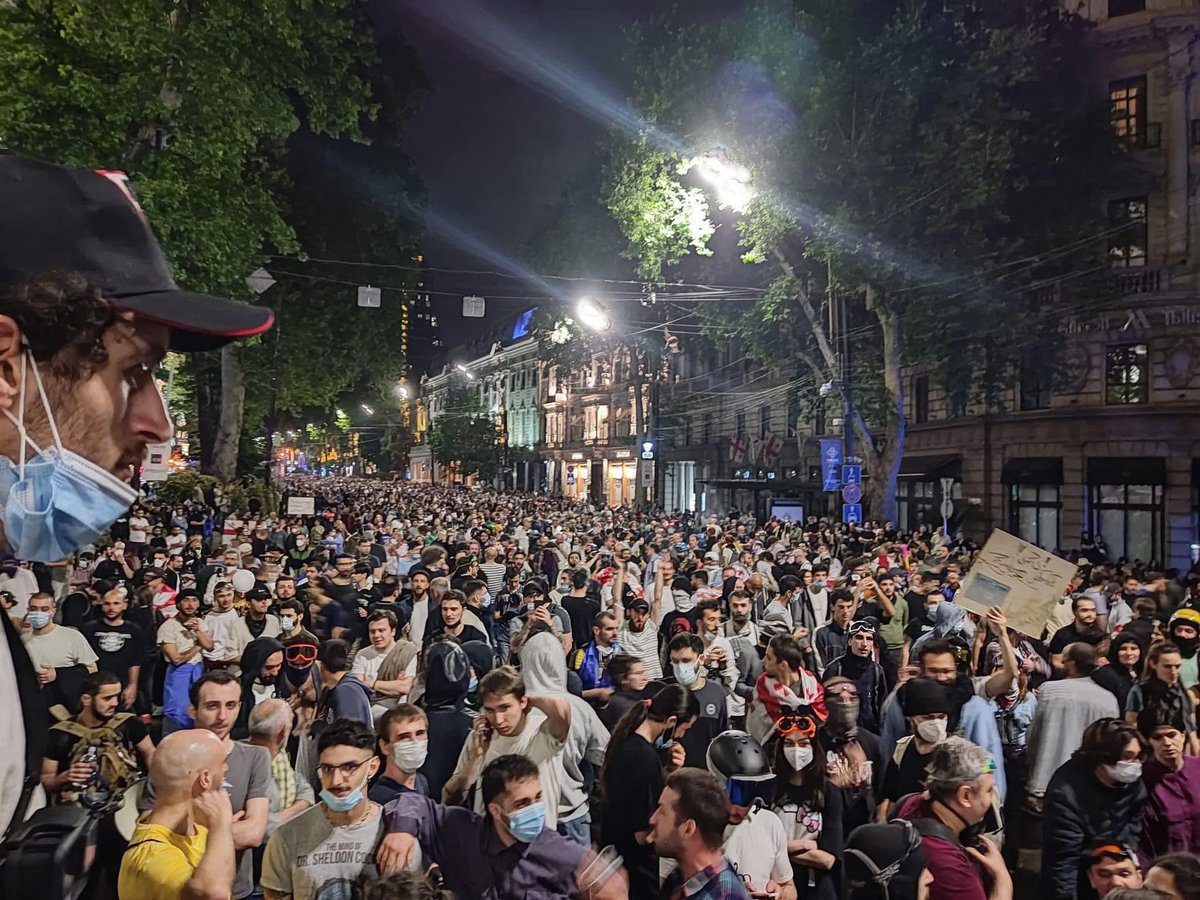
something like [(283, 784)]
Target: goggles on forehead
[(1113, 852), (801, 725)]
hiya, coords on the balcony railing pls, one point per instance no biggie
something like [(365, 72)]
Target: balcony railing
[(1141, 281)]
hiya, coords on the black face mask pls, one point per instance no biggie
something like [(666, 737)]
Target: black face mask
[(296, 676), (1187, 646)]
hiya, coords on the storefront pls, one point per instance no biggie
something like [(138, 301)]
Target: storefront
[(622, 482)]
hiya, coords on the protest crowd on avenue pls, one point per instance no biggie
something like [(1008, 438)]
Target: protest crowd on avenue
[(445, 688)]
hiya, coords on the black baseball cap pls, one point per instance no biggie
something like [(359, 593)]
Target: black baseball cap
[(77, 220)]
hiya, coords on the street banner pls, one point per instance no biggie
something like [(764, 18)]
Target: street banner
[(301, 506), (1025, 581), (831, 463)]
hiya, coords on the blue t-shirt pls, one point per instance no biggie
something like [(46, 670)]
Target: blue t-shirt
[(386, 789)]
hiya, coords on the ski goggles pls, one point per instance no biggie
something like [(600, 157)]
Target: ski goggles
[(801, 725), (298, 655), (747, 793), (1113, 852)]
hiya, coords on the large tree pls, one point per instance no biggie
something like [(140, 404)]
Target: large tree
[(467, 437), (927, 168), (196, 101)]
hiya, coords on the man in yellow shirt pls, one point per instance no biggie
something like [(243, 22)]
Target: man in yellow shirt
[(183, 847)]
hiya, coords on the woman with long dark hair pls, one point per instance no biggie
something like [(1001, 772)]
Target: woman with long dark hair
[(1126, 660), (629, 680), (634, 776), (813, 826)]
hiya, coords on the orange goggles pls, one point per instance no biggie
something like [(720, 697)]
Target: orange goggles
[(801, 725), (301, 654)]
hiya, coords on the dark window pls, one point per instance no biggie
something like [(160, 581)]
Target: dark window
[(764, 421), (916, 504), (793, 415), (1033, 513), (1129, 519), (708, 428), (1036, 378), (819, 424), (1127, 110), (1126, 374), (1124, 7), (921, 399), (1127, 233), (741, 423), (687, 430)]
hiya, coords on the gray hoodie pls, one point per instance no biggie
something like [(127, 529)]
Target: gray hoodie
[(544, 671)]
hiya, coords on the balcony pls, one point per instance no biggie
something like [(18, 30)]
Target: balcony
[(1131, 282)]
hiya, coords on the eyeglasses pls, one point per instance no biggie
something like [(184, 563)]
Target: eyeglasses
[(346, 770), (801, 725)]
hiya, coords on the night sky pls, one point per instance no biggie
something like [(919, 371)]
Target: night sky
[(493, 145)]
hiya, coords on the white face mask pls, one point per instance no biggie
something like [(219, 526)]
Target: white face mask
[(409, 756), (1125, 772), (932, 731), (798, 757)]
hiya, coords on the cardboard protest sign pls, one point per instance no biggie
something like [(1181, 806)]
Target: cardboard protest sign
[(301, 506), (1025, 581)]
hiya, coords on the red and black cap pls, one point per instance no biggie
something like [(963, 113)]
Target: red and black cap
[(54, 218)]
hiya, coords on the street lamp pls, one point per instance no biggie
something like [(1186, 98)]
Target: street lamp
[(731, 181), (368, 410), (593, 316), (467, 373), (402, 390)]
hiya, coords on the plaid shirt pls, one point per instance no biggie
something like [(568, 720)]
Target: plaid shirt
[(285, 778), (716, 882)]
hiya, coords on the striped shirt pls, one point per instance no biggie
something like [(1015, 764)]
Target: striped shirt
[(494, 573), (642, 644)]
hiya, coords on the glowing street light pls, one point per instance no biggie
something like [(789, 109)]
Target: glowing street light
[(467, 373), (402, 390), (368, 410), (592, 315), (731, 181)]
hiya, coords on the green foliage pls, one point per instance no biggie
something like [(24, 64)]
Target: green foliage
[(182, 486), (467, 437)]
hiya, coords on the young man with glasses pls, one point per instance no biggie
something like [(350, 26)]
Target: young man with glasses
[(334, 842)]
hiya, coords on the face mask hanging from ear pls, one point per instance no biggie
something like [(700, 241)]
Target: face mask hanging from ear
[(57, 502)]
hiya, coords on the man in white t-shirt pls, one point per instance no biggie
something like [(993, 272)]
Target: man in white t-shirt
[(221, 625), (381, 632), (534, 727), (21, 583)]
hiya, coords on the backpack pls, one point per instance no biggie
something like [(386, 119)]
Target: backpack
[(116, 762)]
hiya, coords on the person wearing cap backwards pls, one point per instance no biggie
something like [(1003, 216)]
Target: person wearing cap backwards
[(755, 842), (88, 309)]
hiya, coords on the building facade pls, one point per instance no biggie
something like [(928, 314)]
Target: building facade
[(1111, 448)]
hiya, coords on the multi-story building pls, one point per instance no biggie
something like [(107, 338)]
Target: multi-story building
[(1112, 446), (503, 382)]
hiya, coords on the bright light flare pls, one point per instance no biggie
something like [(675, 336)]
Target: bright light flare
[(592, 315), (467, 373), (731, 182), (368, 410)]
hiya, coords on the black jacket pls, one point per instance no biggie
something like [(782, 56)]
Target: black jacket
[(1080, 810)]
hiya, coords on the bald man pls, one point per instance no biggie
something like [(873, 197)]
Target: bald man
[(183, 847)]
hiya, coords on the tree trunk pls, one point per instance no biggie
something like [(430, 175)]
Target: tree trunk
[(897, 425), (639, 412), (229, 428), (205, 372)]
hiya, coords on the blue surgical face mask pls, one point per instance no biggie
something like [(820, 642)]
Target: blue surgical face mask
[(347, 803), (57, 502), (685, 672), (472, 684), (487, 599), (662, 742), (526, 824), (38, 619)]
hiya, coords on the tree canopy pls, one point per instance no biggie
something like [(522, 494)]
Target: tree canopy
[(933, 166)]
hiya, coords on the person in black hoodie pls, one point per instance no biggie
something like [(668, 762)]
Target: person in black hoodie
[(859, 665), (447, 681), (1126, 658), (263, 678)]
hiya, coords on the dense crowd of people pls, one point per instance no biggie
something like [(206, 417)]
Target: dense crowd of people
[(420, 689)]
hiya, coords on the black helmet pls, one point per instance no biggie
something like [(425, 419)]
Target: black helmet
[(741, 762)]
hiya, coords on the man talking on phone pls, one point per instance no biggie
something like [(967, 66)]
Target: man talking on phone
[(88, 309)]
